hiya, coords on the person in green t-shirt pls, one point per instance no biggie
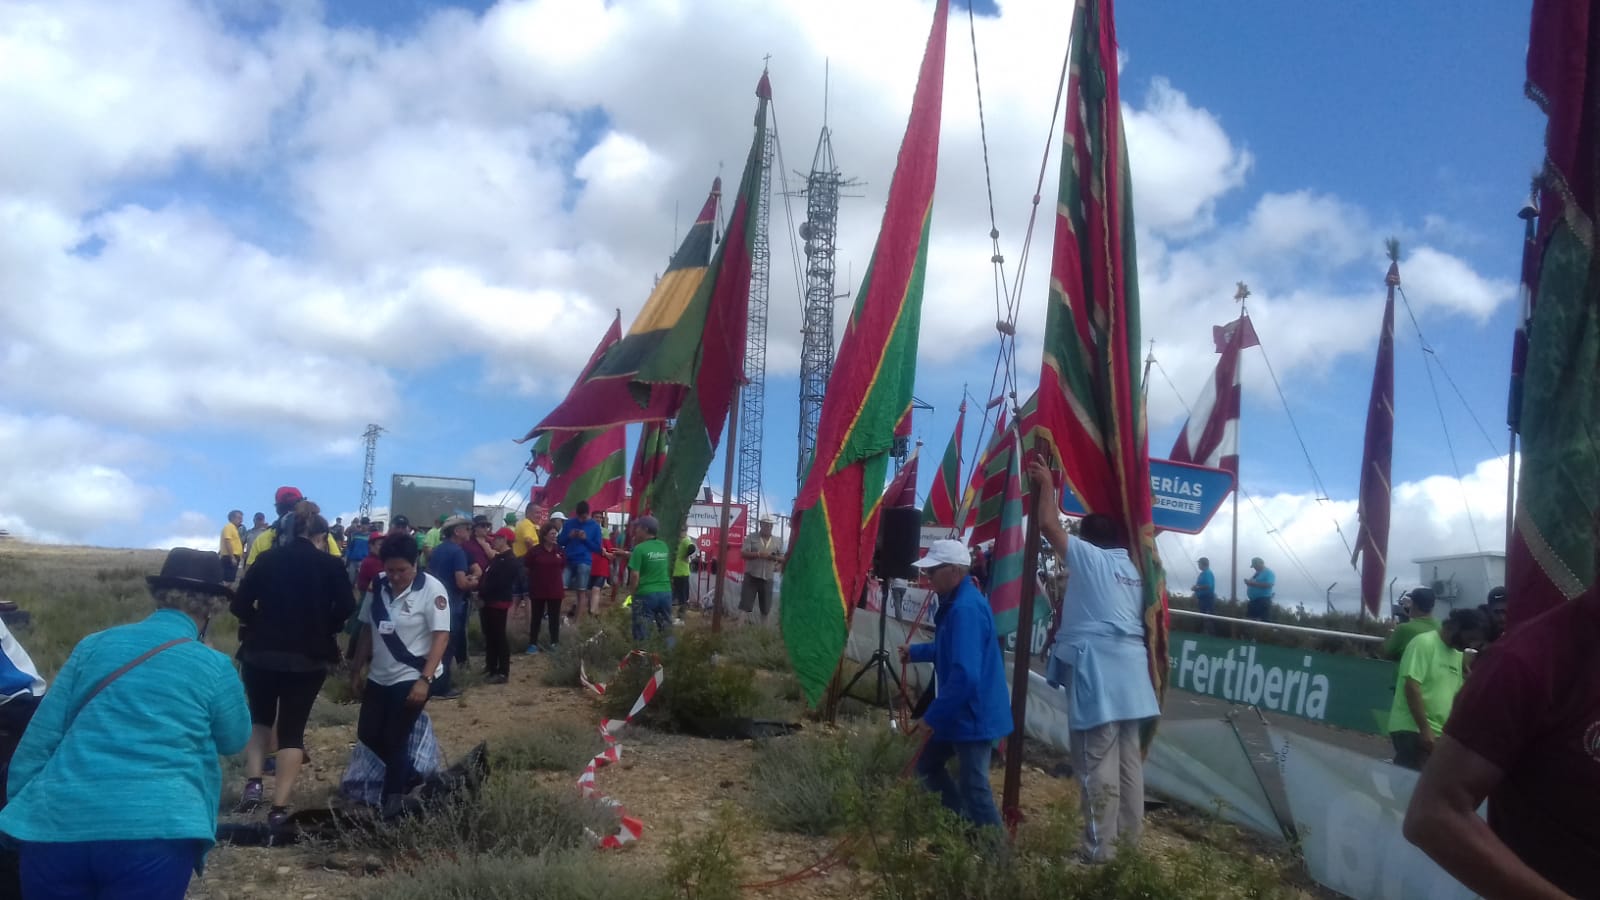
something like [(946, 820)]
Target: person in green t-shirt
[(680, 572), (1422, 621), (1428, 679), (649, 578), (430, 539)]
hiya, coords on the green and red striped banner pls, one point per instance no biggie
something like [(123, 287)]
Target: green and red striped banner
[(648, 461), (940, 510), (1091, 408), (868, 401)]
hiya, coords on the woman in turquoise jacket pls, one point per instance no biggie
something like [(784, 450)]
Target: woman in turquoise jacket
[(115, 786)]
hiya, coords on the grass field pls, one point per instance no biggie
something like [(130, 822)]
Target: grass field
[(722, 818)]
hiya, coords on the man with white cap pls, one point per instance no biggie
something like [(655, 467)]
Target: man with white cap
[(1099, 658), (763, 553), (971, 708)]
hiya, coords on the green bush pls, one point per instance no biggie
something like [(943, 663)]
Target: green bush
[(699, 686), (571, 875), (559, 746), (917, 850), (705, 867), (756, 647), (804, 783), (510, 816), (600, 642)]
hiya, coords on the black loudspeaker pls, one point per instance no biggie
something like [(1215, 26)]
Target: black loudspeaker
[(899, 533)]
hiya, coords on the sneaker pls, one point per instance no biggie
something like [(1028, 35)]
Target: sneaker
[(498, 679), (554, 647), (250, 799), (277, 817), (677, 621), (532, 649), (451, 694)]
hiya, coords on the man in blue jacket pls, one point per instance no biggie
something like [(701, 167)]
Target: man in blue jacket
[(580, 538), (971, 707)]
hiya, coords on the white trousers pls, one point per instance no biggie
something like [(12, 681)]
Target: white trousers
[(1110, 774)]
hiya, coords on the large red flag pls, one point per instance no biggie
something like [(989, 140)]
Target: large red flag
[(868, 403)]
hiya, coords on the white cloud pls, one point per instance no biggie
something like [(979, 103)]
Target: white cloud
[(65, 478), (1429, 517), (1182, 159)]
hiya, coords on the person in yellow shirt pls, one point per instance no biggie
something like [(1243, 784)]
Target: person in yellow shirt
[(232, 546), (283, 502), (526, 537)]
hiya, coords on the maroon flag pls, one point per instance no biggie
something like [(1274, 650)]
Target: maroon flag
[(902, 491), (648, 462), (1211, 436), (1372, 540)]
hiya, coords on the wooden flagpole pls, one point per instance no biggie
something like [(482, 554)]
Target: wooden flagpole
[(1010, 795)]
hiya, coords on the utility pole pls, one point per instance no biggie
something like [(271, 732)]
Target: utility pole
[(369, 490)]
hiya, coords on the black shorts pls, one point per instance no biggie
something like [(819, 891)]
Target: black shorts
[(282, 699)]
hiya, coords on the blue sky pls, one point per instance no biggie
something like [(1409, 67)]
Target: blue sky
[(239, 245)]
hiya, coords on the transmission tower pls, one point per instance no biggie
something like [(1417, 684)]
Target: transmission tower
[(369, 490), (823, 186), (752, 399)]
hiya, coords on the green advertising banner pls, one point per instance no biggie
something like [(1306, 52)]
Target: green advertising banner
[(1346, 691)]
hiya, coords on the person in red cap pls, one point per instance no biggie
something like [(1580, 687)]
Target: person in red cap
[(283, 502)]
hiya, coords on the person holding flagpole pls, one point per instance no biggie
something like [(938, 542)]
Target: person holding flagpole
[(1099, 658)]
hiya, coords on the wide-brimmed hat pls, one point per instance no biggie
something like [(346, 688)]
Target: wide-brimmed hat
[(452, 522), (191, 570)]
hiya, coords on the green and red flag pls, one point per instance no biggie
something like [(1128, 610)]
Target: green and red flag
[(584, 465), (1552, 555), (643, 376), (940, 510), (648, 462), (1006, 576), (713, 357), (868, 401), (1091, 408), (986, 483)]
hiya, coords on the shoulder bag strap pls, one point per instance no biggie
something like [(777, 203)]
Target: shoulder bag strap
[(125, 669), (397, 647)]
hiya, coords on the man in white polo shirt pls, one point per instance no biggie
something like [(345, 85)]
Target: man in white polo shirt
[(406, 633)]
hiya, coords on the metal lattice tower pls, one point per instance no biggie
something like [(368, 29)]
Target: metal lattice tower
[(823, 186), (752, 398), (369, 490)]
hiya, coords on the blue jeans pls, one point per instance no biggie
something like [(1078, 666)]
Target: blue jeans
[(968, 796), (576, 577), (108, 870), (456, 653), (652, 607), (1207, 602)]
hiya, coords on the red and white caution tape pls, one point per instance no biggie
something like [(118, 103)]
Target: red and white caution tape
[(631, 827)]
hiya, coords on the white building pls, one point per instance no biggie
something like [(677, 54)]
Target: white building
[(1462, 580)]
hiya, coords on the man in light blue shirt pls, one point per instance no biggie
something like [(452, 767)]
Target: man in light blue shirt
[(1099, 657), (1205, 588), (1259, 591)]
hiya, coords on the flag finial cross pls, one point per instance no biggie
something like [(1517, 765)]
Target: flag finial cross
[(1242, 292)]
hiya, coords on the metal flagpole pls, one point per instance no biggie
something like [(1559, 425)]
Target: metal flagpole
[(730, 452), (1529, 215), (1239, 295)]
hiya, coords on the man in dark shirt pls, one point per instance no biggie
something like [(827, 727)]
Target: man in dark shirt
[(1525, 733), (452, 568)]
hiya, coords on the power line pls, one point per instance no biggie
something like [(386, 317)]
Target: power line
[(1444, 424)]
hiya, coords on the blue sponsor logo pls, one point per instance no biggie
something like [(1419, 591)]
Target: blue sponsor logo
[(1183, 497)]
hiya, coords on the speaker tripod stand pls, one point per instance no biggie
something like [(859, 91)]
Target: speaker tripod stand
[(880, 661)]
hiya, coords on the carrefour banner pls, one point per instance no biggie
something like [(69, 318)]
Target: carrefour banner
[(1335, 689)]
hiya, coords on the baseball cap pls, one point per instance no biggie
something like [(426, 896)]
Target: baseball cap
[(400, 522), (945, 553), (558, 516), (511, 518), (480, 520), (648, 523), (287, 494)]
